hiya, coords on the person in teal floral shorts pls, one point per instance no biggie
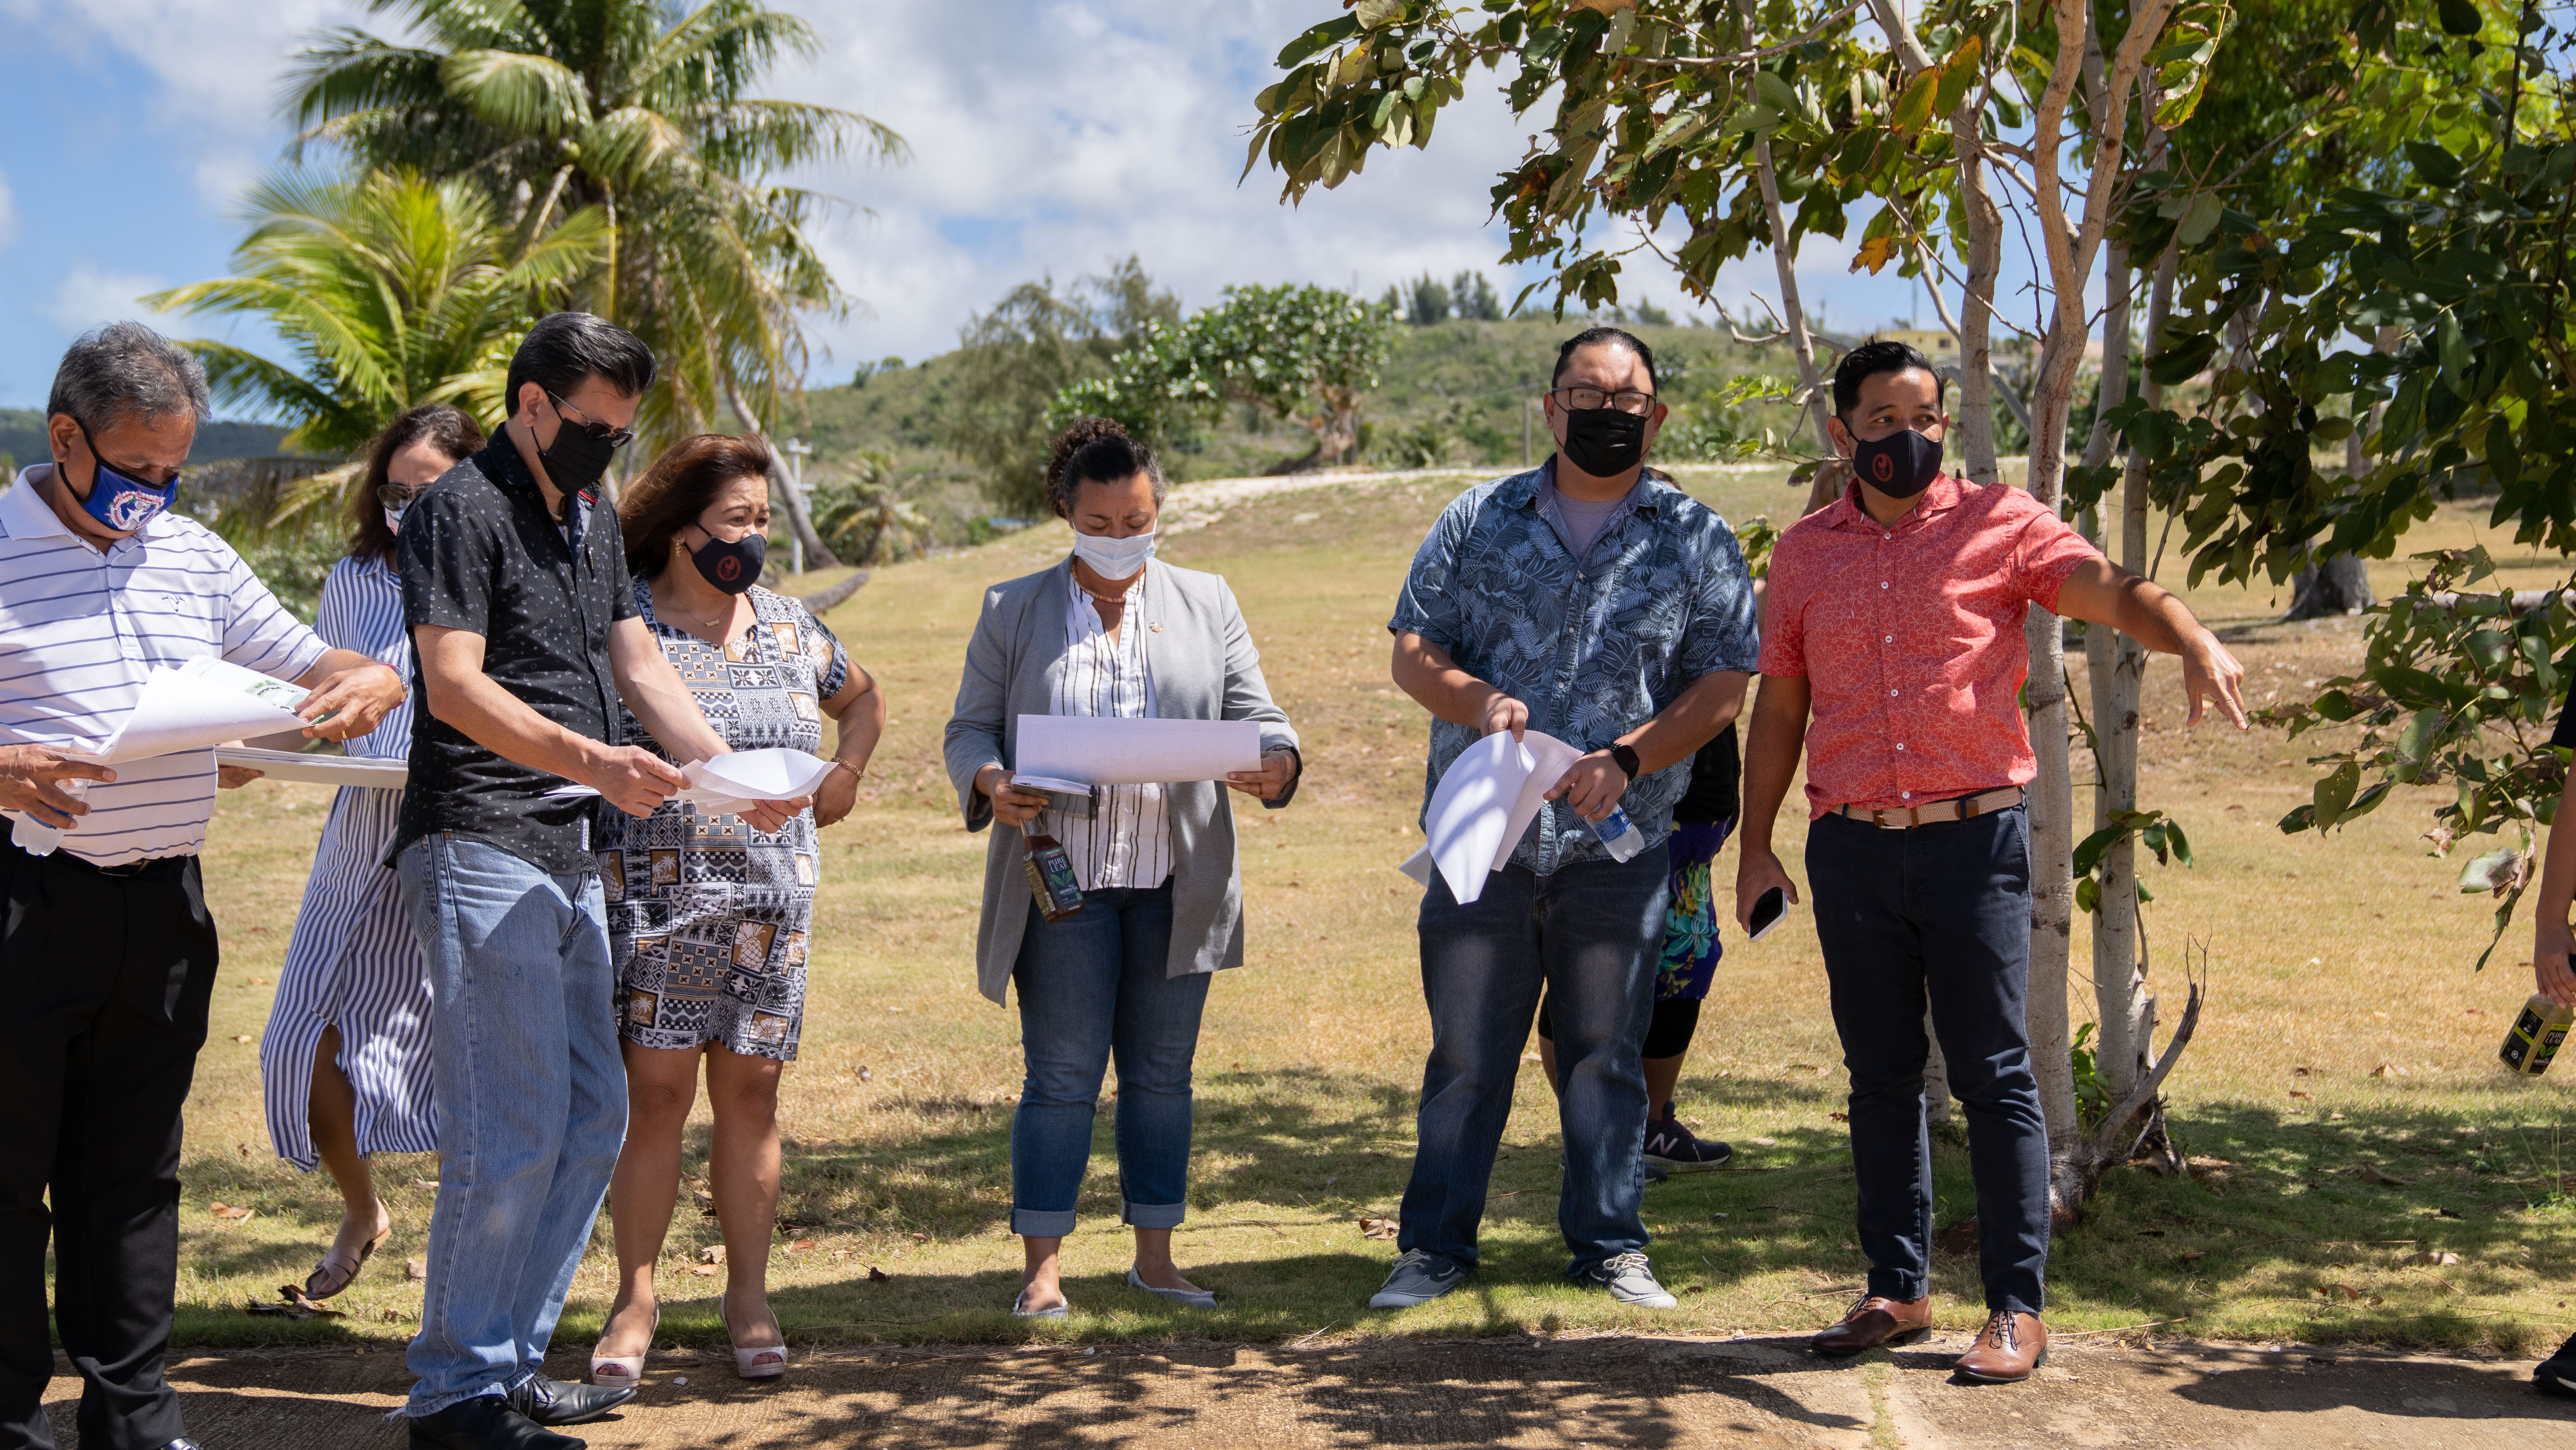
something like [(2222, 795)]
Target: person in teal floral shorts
[(1702, 820)]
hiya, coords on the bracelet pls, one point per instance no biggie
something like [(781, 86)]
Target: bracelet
[(855, 773), (1625, 757)]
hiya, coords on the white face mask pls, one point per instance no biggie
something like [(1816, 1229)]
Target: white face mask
[(393, 521), (1113, 558)]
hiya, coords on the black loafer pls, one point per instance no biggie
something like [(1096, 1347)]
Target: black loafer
[(2557, 1374), (484, 1422), (554, 1402)]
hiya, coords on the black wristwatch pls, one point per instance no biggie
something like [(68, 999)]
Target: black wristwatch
[(1625, 757)]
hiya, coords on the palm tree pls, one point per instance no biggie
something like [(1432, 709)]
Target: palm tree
[(640, 108), (392, 291)]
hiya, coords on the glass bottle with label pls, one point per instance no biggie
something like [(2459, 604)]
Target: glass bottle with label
[(1051, 878)]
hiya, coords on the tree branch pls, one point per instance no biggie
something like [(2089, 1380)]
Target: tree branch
[(1743, 57)]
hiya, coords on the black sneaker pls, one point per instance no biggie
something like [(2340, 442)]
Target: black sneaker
[(2557, 1374), (1671, 1145)]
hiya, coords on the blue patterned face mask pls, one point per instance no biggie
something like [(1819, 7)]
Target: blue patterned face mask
[(121, 503)]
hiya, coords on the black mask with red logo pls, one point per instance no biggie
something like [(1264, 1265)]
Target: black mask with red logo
[(731, 567), (1900, 465)]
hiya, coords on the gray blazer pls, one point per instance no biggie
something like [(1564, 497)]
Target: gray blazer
[(1204, 668)]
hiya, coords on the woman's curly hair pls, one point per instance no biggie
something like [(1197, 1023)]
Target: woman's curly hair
[(1096, 450)]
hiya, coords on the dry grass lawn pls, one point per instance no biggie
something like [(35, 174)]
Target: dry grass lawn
[(2345, 1030)]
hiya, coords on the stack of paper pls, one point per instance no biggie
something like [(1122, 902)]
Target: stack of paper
[(1485, 801), (730, 784), (1109, 750), (374, 773), (202, 703)]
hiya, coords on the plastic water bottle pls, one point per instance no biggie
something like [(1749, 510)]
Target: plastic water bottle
[(35, 837), (1619, 835)]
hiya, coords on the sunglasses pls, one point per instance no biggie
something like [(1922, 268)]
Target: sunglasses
[(613, 437)]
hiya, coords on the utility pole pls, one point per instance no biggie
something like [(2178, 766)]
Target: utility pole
[(796, 451)]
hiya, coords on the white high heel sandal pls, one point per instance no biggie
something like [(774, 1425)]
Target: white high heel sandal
[(754, 1364), (626, 1371)]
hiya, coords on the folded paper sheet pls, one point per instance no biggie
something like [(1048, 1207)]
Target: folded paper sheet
[(727, 784), (317, 769), (202, 703), (1106, 750), (730, 784), (1486, 800)]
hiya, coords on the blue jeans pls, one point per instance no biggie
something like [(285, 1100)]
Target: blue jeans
[(531, 1106), (1591, 933), (1938, 913), (1092, 987)]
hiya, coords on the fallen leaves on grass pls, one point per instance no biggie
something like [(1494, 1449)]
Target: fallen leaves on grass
[(2372, 1174), (416, 1270), (799, 1245), (241, 1037), (2438, 1258), (1839, 1117), (2189, 1256), (711, 1254), (879, 1276), (1377, 1228), (706, 1202), (229, 1212)]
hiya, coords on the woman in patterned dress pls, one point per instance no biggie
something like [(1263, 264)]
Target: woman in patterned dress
[(708, 919), (344, 1062)]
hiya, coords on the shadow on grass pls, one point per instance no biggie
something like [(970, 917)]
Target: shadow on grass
[(2294, 1226)]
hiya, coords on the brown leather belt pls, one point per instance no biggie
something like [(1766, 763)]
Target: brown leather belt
[(1960, 808)]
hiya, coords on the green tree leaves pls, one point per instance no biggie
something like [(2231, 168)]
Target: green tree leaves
[(1305, 354)]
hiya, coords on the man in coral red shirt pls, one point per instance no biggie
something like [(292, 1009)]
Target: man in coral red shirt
[(1892, 652)]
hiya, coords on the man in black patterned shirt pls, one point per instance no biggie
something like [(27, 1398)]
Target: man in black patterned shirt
[(525, 639)]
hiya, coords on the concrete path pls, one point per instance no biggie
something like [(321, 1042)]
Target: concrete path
[(1676, 1393)]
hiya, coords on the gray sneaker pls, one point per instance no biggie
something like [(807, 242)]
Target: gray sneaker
[(1418, 1278), (1630, 1280)]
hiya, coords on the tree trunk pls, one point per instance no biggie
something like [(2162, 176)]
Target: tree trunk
[(1792, 314), (2339, 585), (783, 490)]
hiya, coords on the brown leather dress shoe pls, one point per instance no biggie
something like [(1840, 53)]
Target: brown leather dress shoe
[(1875, 1321), (2007, 1349)]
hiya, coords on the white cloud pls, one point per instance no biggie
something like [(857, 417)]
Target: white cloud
[(220, 63), (8, 213), (90, 296), (1071, 135)]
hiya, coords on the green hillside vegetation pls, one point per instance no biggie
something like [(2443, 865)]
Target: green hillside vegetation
[(22, 439), (1452, 395)]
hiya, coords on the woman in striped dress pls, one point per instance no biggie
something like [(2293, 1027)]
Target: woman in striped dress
[(344, 1063)]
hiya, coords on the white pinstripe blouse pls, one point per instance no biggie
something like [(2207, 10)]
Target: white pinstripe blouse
[(1128, 840)]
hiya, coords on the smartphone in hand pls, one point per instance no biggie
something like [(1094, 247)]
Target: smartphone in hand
[(1768, 908)]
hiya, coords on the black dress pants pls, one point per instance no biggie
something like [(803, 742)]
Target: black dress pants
[(104, 981)]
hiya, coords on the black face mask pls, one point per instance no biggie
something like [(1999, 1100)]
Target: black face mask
[(732, 567), (577, 459), (1900, 465), (1604, 442)]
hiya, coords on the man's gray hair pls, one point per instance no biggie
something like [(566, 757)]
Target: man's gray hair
[(126, 371)]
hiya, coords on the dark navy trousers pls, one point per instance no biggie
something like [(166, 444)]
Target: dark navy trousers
[(1939, 914)]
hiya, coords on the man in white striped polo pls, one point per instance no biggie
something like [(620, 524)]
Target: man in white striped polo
[(107, 953)]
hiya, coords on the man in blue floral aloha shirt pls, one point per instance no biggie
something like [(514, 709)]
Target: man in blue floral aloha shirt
[(1595, 602)]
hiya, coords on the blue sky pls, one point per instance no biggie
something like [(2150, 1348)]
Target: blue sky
[(1057, 136)]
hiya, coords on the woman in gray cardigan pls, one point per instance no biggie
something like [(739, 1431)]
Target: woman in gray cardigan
[(1162, 901)]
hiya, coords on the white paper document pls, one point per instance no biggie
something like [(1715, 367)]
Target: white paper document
[(1486, 799), (730, 784), (202, 703), (317, 769), (1107, 750)]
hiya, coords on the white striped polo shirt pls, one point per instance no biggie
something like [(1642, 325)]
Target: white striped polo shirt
[(79, 631)]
